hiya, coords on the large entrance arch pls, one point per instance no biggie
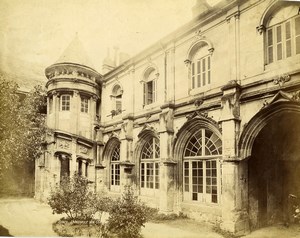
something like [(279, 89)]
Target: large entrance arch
[(271, 143)]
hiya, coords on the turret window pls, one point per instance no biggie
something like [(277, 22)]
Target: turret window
[(65, 102), (84, 105)]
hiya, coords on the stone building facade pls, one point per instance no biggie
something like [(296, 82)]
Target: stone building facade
[(204, 122)]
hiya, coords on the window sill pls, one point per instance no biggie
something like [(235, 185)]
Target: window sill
[(282, 65), (195, 91)]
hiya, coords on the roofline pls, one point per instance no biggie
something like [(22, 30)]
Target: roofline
[(205, 17), (71, 64)]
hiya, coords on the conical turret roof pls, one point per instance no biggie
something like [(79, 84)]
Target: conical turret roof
[(75, 53)]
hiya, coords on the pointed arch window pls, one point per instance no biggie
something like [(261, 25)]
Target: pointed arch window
[(201, 167), (149, 167), (282, 36), (115, 168)]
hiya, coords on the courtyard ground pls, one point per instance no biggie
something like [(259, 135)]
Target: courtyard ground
[(27, 217)]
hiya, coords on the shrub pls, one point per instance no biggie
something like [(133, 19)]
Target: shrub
[(127, 215), (73, 198)]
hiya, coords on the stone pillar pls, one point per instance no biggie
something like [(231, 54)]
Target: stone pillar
[(75, 111), (166, 177), (73, 159), (234, 212), (126, 161), (99, 167), (55, 109)]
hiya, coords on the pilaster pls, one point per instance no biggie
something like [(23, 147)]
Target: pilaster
[(167, 165), (126, 160), (234, 214)]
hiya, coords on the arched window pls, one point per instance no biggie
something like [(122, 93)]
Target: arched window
[(150, 80), (115, 168), (282, 36), (149, 167), (201, 167), (201, 68), (117, 99)]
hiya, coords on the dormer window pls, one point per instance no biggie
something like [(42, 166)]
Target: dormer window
[(283, 34)]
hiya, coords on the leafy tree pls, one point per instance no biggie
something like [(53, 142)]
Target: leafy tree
[(127, 215), (73, 198), (22, 125)]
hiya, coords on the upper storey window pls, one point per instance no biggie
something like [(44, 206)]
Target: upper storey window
[(283, 34), (117, 99), (201, 68), (150, 79), (199, 63), (65, 102), (84, 105)]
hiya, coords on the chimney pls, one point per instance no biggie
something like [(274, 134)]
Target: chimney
[(116, 57), (200, 7), (108, 63)]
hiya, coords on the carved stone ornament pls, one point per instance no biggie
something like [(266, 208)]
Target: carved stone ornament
[(83, 150), (202, 115), (296, 96), (281, 80), (198, 102), (260, 29), (187, 62), (64, 145)]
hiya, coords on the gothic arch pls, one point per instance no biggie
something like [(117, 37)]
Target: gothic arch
[(195, 122), (109, 147), (279, 105)]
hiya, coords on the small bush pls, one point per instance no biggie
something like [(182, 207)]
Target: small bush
[(73, 198), (128, 215)]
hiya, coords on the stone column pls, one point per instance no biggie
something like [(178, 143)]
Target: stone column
[(55, 109), (234, 212), (99, 167), (75, 111), (170, 76), (167, 165), (73, 159), (126, 163)]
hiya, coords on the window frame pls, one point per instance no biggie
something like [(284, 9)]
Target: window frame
[(65, 105), (283, 47), (117, 96), (150, 88), (201, 158), (201, 72), (149, 167), (115, 169), (84, 105)]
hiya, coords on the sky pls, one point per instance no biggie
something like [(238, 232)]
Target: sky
[(34, 33)]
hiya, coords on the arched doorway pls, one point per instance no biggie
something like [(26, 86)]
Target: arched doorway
[(271, 144)]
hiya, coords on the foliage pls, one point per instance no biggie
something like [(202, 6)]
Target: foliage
[(74, 199), (22, 125), (127, 215)]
